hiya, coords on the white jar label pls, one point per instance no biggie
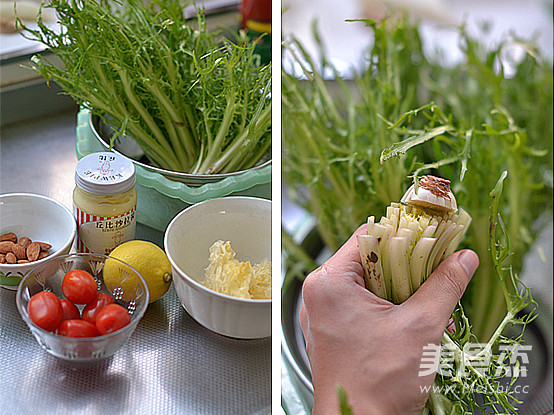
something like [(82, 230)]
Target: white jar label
[(100, 235)]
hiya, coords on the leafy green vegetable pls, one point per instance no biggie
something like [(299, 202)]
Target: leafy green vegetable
[(484, 372), (351, 151), (193, 102), (333, 134), (398, 254)]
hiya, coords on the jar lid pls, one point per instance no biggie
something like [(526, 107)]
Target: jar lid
[(105, 173)]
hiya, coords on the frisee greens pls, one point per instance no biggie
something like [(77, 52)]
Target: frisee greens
[(482, 378), (193, 100), (352, 146)]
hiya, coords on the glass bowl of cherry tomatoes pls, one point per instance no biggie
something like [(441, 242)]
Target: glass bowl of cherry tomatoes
[(77, 314)]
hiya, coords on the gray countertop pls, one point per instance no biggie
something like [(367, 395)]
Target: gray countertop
[(170, 365)]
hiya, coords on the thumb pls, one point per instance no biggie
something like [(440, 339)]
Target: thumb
[(446, 285)]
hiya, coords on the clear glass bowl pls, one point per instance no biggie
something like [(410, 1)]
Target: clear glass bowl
[(49, 276)]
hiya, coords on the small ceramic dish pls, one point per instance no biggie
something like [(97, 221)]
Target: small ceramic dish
[(39, 218)]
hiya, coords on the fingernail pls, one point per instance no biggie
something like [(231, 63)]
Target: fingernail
[(469, 260)]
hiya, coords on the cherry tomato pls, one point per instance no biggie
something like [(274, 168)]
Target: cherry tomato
[(111, 318), (77, 328), (92, 309), (70, 310), (45, 310), (79, 286)]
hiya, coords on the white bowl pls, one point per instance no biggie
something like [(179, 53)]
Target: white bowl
[(246, 223), (39, 218)]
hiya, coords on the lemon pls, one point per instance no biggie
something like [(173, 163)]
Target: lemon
[(148, 259)]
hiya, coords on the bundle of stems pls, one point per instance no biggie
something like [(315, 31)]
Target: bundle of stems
[(193, 100), (400, 251), (403, 249)]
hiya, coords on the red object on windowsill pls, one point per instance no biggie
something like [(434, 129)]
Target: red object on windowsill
[(256, 12)]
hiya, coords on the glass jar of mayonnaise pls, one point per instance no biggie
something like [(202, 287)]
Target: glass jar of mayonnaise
[(104, 202)]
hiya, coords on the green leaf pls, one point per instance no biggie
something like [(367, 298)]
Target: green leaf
[(400, 148), (466, 153)]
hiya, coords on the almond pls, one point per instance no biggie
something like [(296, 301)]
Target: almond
[(11, 258), (44, 246), (23, 261), (10, 236), (6, 247), (33, 251), (43, 254), (24, 242), (19, 251), (2, 258)]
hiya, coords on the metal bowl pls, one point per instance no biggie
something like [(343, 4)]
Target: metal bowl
[(127, 146)]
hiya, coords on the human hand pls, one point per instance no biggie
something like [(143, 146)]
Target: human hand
[(369, 346)]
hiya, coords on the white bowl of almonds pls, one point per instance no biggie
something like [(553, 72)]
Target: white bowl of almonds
[(32, 228)]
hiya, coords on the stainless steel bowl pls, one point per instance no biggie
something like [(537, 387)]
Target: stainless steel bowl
[(103, 131)]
